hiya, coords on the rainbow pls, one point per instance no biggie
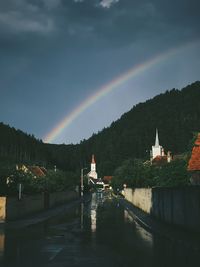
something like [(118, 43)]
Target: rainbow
[(109, 87)]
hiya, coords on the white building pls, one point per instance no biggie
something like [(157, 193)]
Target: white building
[(157, 153), (93, 173), (157, 150)]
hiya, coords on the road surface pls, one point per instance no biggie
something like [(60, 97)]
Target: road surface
[(99, 233)]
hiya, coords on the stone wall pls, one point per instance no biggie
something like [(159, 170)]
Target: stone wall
[(11, 208), (178, 206)]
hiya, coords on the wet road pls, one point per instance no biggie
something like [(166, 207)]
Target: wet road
[(96, 233)]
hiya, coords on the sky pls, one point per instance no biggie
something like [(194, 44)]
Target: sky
[(59, 60)]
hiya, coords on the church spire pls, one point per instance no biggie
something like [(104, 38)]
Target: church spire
[(157, 140), (93, 160)]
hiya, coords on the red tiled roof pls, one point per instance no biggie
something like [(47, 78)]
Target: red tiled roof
[(194, 162), (107, 178), (36, 171), (159, 160), (44, 170)]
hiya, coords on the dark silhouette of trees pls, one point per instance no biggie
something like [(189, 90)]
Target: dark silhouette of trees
[(175, 113)]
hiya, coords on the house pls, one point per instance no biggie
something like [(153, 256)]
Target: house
[(107, 179), (36, 171), (194, 163), (22, 167)]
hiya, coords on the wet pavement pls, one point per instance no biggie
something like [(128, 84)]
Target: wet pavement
[(96, 233)]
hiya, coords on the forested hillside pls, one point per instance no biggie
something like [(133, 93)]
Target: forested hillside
[(175, 113), (16, 146)]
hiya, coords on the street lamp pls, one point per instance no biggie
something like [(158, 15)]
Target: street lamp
[(82, 186)]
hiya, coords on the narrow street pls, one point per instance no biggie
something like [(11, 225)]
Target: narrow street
[(96, 233)]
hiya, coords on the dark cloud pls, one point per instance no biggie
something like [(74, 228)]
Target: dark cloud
[(120, 22), (64, 49), (36, 29)]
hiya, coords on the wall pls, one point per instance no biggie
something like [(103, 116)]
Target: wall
[(16, 209), (178, 206), (11, 208), (61, 197), (2, 208), (140, 197)]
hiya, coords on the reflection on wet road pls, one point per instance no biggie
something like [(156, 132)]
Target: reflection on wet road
[(96, 233)]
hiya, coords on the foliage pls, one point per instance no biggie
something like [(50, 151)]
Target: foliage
[(60, 180), (16, 146), (135, 173), (6, 170), (175, 113), (30, 185), (54, 181)]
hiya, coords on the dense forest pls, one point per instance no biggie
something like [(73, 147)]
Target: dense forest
[(16, 146), (176, 114)]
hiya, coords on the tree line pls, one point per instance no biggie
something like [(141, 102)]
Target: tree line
[(176, 114)]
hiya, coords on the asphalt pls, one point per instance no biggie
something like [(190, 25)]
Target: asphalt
[(44, 215), (145, 220), (162, 229), (41, 216)]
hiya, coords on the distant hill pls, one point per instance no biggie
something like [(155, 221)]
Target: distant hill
[(17, 146), (176, 114)]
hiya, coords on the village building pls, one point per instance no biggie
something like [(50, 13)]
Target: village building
[(93, 174), (157, 154), (36, 171), (107, 179), (194, 163), (157, 150)]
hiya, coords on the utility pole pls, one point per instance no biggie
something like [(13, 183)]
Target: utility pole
[(20, 191), (82, 186)]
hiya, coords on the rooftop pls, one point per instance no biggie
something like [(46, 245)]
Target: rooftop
[(159, 160), (36, 171), (194, 162)]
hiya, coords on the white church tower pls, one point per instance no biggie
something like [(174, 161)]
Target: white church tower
[(93, 173), (157, 150)]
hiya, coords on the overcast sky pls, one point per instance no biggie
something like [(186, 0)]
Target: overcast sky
[(54, 54)]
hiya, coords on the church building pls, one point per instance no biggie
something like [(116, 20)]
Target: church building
[(157, 150), (93, 173), (157, 154)]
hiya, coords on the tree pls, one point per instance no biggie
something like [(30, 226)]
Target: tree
[(136, 173)]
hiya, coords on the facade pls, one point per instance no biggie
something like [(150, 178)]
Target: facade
[(93, 174), (194, 163)]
